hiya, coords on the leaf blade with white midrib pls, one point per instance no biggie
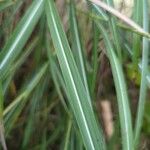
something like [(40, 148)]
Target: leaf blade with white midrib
[(20, 36), (79, 99), (122, 97)]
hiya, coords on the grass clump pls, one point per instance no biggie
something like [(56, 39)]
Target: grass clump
[(59, 60)]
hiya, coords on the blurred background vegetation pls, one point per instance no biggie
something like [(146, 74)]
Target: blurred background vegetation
[(35, 111)]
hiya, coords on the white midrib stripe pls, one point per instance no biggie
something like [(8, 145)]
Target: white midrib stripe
[(67, 65), (123, 104), (20, 35)]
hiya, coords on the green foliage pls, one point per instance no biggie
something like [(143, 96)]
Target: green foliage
[(54, 74)]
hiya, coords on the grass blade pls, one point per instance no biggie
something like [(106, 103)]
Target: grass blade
[(79, 100), (20, 36), (144, 72)]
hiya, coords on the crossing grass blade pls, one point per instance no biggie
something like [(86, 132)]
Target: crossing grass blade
[(20, 36), (79, 100), (144, 73)]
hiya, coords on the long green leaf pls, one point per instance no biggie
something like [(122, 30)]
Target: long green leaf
[(79, 100), (122, 97), (20, 36), (77, 46), (143, 88)]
